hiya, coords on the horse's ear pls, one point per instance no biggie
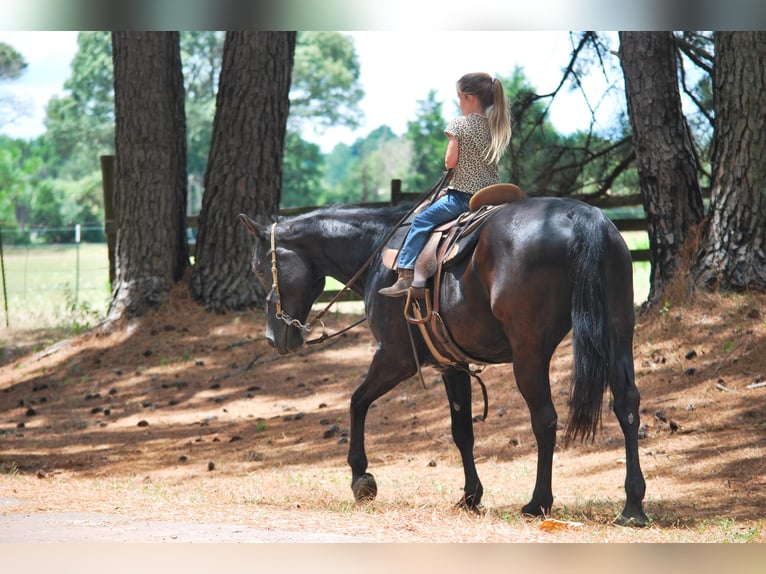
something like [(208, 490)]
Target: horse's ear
[(258, 231)]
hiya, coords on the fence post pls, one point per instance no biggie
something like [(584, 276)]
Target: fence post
[(110, 220), (77, 235), (396, 191), (5, 289)]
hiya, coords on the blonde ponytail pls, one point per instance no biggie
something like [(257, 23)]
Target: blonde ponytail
[(491, 93), (499, 116)]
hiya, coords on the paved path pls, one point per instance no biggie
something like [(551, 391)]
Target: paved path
[(90, 527)]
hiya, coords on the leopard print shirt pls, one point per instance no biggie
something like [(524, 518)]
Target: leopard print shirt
[(472, 172)]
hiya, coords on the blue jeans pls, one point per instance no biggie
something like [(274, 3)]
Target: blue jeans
[(442, 210)]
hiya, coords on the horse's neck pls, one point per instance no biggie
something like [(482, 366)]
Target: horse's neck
[(343, 247)]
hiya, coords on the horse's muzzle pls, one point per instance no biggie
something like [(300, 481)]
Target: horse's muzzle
[(286, 340)]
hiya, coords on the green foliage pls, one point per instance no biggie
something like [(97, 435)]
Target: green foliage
[(18, 169), (201, 57), (540, 160), (325, 87), (729, 530), (429, 144), (80, 124), (371, 164), (12, 64), (302, 173), (29, 193), (695, 67), (336, 165), (11, 178), (80, 315)]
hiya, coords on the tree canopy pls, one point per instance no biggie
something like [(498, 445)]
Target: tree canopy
[(12, 64)]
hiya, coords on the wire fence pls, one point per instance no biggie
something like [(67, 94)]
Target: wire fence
[(54, 276)]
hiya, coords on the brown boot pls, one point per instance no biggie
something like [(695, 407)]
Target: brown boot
[(403, 283)]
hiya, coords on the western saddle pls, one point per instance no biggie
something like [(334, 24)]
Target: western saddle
[(448, 244)]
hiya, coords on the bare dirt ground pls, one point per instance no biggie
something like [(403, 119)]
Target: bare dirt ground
[(186, 426)]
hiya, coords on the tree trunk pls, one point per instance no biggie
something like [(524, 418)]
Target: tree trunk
[(665, 157), (732, 255), (150, 174), (244, 171)]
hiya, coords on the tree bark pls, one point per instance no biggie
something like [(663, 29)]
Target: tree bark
[(665, 156), (732, 255), (150, 174), (244, 171)]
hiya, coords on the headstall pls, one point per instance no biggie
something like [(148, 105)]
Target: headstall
[(290, 321)]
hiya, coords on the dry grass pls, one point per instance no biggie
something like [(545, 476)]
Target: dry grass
[(211, 391)]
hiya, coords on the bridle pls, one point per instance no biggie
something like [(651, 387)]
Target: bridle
[(280, 314), (292, 322)]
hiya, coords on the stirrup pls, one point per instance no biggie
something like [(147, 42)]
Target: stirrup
[(416, 317)]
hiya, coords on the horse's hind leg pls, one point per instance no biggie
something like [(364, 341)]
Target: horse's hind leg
[(458, 387), (531, 372), (384, 374), (626, 402)]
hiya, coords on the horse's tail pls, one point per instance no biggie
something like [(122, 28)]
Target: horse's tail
[(592, 362)]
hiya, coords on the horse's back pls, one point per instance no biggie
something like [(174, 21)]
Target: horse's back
[(540, 233)]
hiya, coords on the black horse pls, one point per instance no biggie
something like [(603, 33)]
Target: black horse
[(541, 267)]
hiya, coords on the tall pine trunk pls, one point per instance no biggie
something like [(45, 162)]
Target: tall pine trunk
[(732, 255), (665, 156), (244, 170), (150, 173)]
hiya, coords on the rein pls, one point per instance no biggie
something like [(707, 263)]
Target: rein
[(306, 328)]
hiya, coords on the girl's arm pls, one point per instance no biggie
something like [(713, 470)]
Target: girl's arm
[(450, 159)]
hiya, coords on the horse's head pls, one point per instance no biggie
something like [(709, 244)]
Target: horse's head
[(292, 289)]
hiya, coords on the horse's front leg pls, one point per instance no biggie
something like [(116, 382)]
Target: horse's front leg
[(458, 387), (384, 374)]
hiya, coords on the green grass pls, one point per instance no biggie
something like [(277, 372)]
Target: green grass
[(46, 286), (639, 240)]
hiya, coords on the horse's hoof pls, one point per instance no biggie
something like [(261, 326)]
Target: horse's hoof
[(535, 510), (470, 504), (365, 488), (632, 521)]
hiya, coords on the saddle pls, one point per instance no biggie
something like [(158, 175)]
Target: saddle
[(451, 241), (448, 244)]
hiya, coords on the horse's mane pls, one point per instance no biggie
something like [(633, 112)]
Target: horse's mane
[(376, 221), (351, 211)]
